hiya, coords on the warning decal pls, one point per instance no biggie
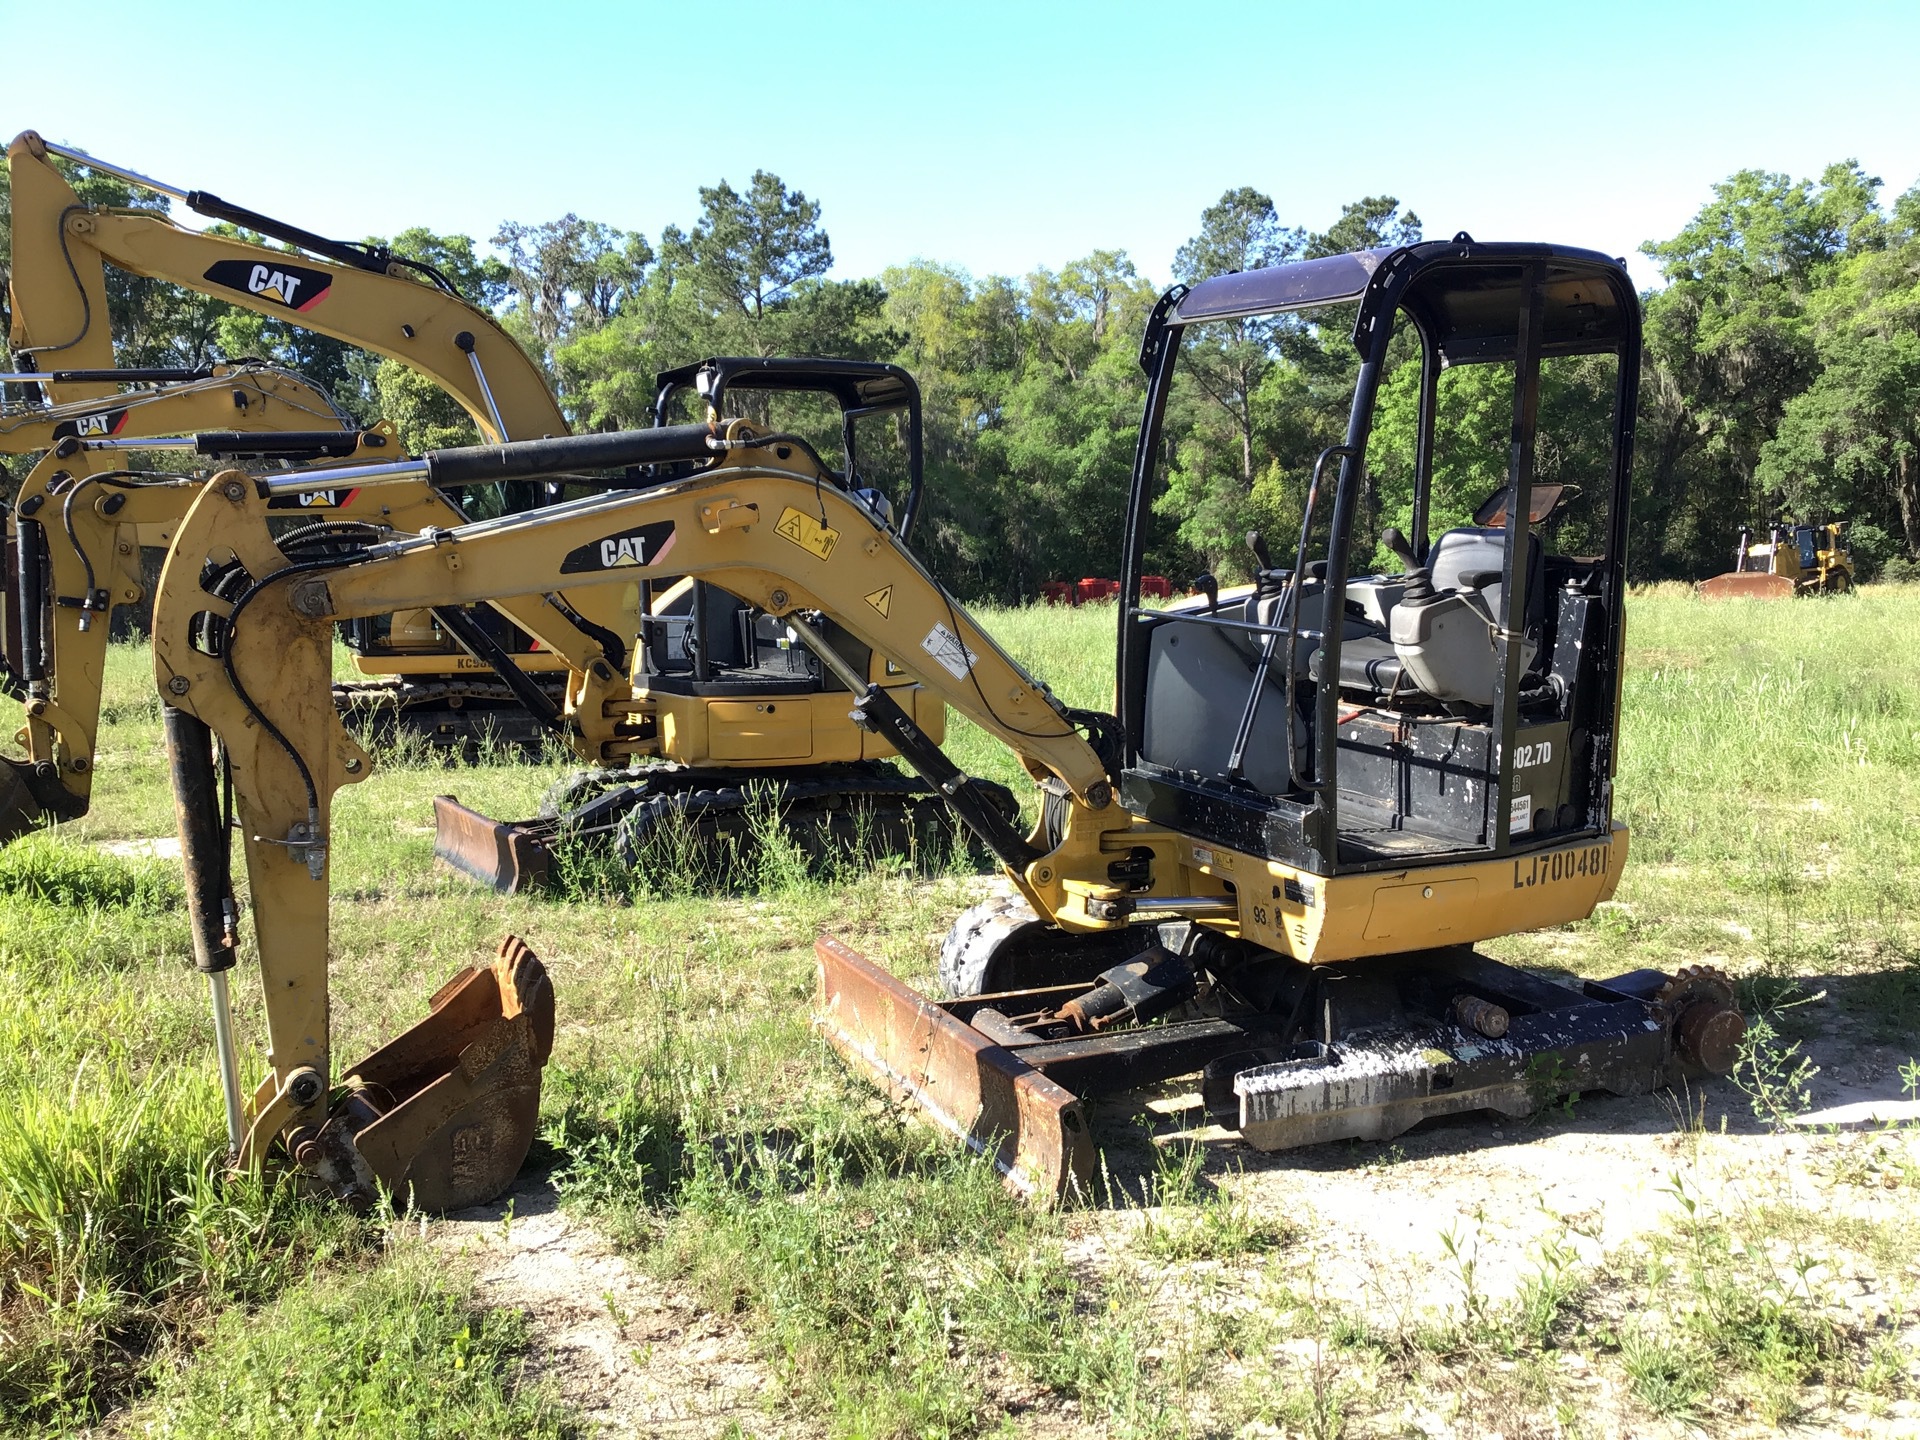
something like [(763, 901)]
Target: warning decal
[(806, 532), (881, 600), (945, 646)]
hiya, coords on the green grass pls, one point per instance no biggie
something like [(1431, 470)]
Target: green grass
[(395, 1351), (1768, 769)]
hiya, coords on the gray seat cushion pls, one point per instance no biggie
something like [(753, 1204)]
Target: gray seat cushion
[(1465, 551), (1367, 662)]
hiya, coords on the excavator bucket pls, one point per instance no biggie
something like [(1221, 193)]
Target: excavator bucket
[(20, 811), (443, 1115), (499, 854), (1034, 1130), (1746, 585), (32, 797)]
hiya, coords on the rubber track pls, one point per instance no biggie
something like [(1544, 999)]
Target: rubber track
[(425, 709)]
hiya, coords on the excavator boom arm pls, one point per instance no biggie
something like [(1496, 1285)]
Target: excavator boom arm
[(60, 309), (251, 665)]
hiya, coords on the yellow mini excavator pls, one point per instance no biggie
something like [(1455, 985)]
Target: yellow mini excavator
[(416, 676), (1269, 868), (731, 712), (1793, 560)]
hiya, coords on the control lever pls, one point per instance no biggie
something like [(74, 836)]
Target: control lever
[(1257, 543), (1209, 587), (1402, 548)]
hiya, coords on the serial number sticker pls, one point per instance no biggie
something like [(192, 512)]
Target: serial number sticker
[(1590, 861), (947, 648), (1520, 814), (1202, 855), (806, 532)]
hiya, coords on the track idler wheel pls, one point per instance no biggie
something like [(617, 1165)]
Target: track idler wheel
[(443, 1115), (1707, 1026)]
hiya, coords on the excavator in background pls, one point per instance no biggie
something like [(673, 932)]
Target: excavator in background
[(64, 577), (729, 713), (719, 700), (1793, 560), (416, 677), (74, 555), (1269, 868)]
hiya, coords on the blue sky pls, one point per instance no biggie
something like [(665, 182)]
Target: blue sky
[(999, 137)]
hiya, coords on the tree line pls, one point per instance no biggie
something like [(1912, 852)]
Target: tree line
[(1782, 374)]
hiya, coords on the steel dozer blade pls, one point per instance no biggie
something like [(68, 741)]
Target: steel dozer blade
[(1034, 1129), (497, 853), (1746, 585), (442, 1116)]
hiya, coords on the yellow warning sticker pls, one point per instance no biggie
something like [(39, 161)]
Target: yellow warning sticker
[(882, 600), (806, 532)]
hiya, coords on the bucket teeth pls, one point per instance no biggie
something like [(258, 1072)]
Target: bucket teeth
[(455, 1100)]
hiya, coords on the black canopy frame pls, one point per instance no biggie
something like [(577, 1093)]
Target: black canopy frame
[(1466, 303)]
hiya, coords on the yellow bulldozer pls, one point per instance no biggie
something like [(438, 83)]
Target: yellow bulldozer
[(1266, 868), (1792, 560)]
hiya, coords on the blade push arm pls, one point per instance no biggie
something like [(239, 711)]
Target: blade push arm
[(60, 307)]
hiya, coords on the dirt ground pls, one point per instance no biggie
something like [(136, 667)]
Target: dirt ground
[(635, 1356), (1388, 1230)]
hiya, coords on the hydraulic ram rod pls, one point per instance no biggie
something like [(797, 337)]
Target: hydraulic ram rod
[(204, 847), (517, 460)]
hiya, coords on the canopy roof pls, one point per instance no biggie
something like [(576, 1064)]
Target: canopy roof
[(1464, 294), (856, 384)]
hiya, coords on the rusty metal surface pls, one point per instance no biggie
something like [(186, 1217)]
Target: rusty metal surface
[(1746, 585), (443, 1115), (496, 854), (1034, 1130), (1379, 1089), (1707, 1026)]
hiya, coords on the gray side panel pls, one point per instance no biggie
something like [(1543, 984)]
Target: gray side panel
[(1198, 677)]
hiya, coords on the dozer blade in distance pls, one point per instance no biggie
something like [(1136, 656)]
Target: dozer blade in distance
[(1746, 585)]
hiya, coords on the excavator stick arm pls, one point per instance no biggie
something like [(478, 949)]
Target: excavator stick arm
[(443, 1115)]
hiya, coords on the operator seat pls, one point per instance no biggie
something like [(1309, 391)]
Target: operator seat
[(1440, 638)]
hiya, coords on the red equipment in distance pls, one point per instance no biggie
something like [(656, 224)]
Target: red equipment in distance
[(1081, 592)]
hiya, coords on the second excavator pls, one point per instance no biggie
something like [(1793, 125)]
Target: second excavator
[(730, 717), (365, 295)]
